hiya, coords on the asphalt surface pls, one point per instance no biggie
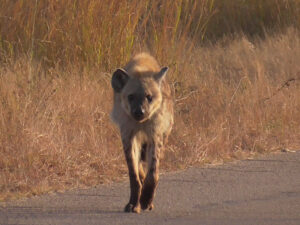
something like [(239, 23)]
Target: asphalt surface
[(265, 190)]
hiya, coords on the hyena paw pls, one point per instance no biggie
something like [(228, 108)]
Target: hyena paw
[(147, 205), (131, 208)]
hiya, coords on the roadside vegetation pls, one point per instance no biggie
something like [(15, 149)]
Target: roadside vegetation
[(234, 69)]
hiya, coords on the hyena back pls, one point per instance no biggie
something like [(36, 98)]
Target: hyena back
[(143, 110)]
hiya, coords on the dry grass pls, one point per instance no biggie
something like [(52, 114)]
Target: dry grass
[(234, 98), (105, 33), (96, 33), (56, 132)]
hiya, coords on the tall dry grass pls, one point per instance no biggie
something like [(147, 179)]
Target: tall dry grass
[(234, 98), (106, 33), (96, 33)]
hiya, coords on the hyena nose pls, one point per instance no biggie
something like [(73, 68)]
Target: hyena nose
[(139, 113)]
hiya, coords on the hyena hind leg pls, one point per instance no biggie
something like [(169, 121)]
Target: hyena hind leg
[(142, 159), (142, 173)]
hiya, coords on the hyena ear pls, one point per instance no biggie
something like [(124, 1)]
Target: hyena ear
[(119, 79), (161, 74)]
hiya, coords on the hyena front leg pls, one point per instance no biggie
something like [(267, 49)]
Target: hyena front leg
[(151, 180), (132, 160)]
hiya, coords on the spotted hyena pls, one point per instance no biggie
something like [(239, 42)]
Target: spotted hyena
[(143, 110)]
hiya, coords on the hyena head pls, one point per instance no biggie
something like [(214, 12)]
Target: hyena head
[(140, 93)]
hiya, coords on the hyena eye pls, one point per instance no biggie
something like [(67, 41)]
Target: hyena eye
[(130, 97), (149, 98)]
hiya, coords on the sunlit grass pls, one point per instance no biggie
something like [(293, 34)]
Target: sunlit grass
[(107, 32)]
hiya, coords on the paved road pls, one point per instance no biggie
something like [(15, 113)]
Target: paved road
[(261, 191)]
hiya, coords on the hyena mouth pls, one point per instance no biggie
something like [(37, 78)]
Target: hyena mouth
[(140, 119)]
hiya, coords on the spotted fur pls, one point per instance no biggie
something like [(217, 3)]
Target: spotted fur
[(143, 110)]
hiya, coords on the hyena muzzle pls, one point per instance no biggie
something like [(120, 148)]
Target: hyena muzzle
[(143, 110)]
